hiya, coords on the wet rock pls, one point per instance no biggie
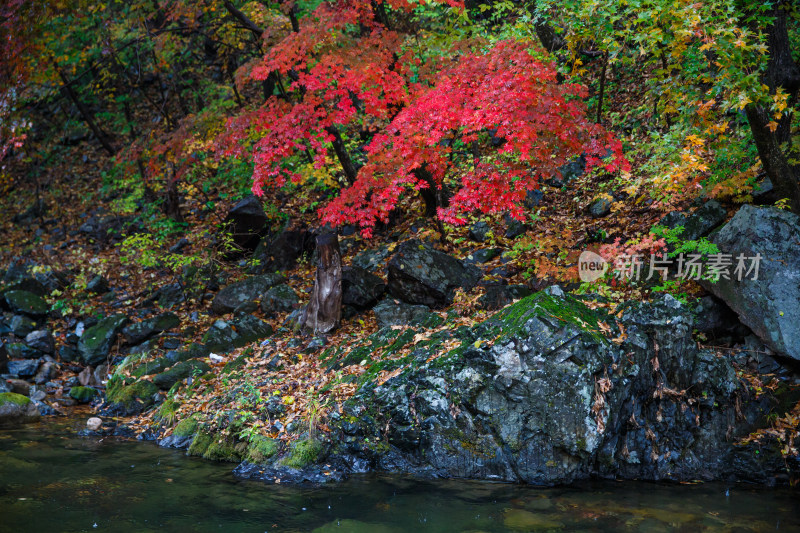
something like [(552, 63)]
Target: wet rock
[(139, 332), (25, 368), (418, 274), (697, 224), (41, 340), (45, 373), (372, 259), (478, 231), (16, 409), (94, 423), (360, 288), (18, 350), (96, 342), (127, 399), (3, 357), (83, 394), (279, 299), (250, 289), (770, 304), (222, 336), (283, 252), (498, 296), (26, 303), (19, 386), (246, 221), (68, 353), (393, 313), (97, 285), (482, 255), (600, 206), (22, 325)]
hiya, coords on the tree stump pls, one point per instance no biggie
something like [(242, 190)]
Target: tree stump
[(324, 312)]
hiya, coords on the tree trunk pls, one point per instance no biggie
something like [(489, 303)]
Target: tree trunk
[(324, 311), (433, 195), (782, 71), (87, 115), (350, 170)]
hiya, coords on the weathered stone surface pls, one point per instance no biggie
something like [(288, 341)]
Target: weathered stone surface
[(83, 394), (360, 288), (41, 340), (418, 274), (25, 368), (698, 223), (248, 290), (393, 313), (18, 350), (283, 252), (246, 221), (21, 325), (223, 336), (179, 371), (498, 296), (478, 231), (16, 409), (97, 285), (279, 299), (769, 305), (26, 303), (372, 259), (139, 332), (536, 394), (96, 341), (600, 206)]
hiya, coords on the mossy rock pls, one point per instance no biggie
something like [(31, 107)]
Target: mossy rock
[(260, 449), (26, 303), (133, 397), (16, 408), (235, 365), (155, 366), (180, 371), (303, 453), (201, 442), (96, 342), (186, 427), (83, 394)]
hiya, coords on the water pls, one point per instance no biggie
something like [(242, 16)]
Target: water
[(53, 481)]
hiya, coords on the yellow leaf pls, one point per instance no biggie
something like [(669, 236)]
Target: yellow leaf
[(772, 126)]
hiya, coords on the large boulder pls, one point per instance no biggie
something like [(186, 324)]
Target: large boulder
[(360, 288), (139, 332), (181, 370), (770, 304), (25, 368), (279, 299), (282, 252), (26, 303), (393, 313), (418, 274), (41, 340), (246, 221), (17, 409), (699, 223), (96, 341), (222, 336), (248, 290)]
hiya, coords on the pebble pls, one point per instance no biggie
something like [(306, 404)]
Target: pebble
[(94, 423)]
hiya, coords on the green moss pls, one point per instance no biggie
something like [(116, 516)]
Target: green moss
[(168, 411), (260, 449), (151, 367), (201, 443), (234, 365), (303, 453), (141, 391), (225, 449), (568, 310), (82, 394), (14, 398), (186, 427)]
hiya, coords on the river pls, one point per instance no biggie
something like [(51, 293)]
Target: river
[(52, 480)]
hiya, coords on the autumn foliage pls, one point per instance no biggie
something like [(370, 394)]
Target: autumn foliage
[(486, 121)]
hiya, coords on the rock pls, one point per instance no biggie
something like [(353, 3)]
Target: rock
[(714, 318), (16, 409), (94, 423), (360, 288), (482, 255), (167, 296), (97, 285), (45, 373), (139, 332), (19, 386), (250, 289), (418, 274), (600, 206), (96, 342), (4, 386), (22, 325), (393, 313), (82, 394), (42, 341), (770, 304), (222, 336), (478, 231), (372, 259), (3, 357), (514, 227), (283, 252), (246, 221), (68, 353), (179, 246), (37, 395), (17, 350), (568, 172), (697, 224), (179, 371), (498, 296), (26, 303), (24, 369), (764, 193), (279, 299), (36, 210), (106, 228), (128, 399), (533, 198)]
